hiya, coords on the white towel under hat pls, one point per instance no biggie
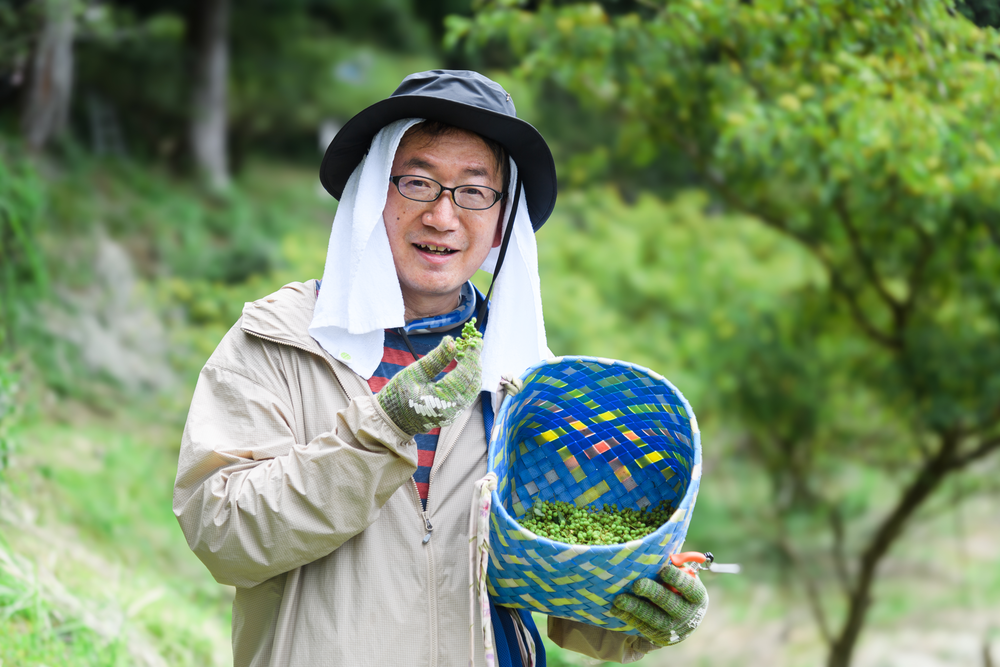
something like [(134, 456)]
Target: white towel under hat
[(360, 297)]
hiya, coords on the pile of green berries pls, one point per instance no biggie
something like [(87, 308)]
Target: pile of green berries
[(565, 522), (470, 337)]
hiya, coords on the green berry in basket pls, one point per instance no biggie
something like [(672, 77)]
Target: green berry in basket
[(565, 522)]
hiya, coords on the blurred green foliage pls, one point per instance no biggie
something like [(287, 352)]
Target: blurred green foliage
[(660, 283), (23, 274), (293, 66), (865, 133), (8, 410)]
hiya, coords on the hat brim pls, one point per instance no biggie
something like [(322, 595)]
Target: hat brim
[(521, 140)]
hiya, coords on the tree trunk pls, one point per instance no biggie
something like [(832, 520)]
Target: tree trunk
[(210, 28), (50, 84), (928, 480)]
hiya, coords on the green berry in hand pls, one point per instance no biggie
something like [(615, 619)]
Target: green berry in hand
[(470, 338)]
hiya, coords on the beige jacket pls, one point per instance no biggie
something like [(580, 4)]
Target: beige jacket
[(295, 487)]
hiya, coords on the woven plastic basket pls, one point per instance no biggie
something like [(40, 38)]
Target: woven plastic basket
[(593, 432)]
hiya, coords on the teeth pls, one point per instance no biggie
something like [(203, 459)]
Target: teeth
[(433, 248)]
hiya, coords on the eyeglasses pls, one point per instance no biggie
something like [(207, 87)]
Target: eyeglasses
[(421, 188)]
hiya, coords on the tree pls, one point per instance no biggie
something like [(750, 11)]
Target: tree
[(866, 132), (209, 36), (50, 78)]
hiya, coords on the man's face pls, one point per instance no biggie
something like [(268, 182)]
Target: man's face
[(437, 246)]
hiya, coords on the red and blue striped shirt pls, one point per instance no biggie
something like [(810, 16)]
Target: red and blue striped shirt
[(396, 357)]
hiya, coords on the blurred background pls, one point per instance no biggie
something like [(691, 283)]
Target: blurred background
[(788, 208)]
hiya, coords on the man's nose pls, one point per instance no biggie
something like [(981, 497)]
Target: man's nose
[(443, 213)]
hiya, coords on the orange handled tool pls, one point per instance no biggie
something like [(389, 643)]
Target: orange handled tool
[(693, 561), (697, 559)]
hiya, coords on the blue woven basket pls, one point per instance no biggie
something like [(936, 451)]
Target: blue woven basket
[(593, 432)]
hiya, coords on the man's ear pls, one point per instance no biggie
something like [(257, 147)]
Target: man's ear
[(498, 237)]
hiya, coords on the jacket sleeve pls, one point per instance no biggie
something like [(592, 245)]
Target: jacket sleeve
[(597, 643), (254, 503)]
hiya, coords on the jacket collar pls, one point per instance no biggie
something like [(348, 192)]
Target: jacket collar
[(284, 316)]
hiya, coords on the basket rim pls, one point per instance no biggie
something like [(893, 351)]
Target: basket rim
[(655, 536), (696, 465)]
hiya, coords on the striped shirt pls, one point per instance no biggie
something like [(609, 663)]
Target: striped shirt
[(396, 357)]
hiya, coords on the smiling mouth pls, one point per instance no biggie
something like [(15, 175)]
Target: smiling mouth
[(434, 249)]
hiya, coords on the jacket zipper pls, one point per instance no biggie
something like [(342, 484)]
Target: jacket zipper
[(431, 577), (431, 568), (432, 583), (423, 513), (432, 598)]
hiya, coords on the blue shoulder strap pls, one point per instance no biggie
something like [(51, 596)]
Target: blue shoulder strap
[(504, 632)]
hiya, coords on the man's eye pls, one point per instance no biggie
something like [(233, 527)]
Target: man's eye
[(474, 192), (416, 183)]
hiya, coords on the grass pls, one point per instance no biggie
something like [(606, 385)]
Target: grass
[(95, 569), (40, 627)]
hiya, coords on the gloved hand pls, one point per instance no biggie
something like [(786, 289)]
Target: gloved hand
[(417, 404), (511, 385), (660, 615)]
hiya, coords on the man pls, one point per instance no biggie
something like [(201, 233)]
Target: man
[(324, 472)]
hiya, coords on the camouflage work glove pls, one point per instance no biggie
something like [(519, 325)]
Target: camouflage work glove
[(662, 616), (417, 404)]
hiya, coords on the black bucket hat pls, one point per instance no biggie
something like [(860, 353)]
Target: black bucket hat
[(461, 98)]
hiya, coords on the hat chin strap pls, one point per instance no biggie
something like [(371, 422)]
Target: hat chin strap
[(483, 312)]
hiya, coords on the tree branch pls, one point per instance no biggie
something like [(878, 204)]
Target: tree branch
[(719, 184), (985, 425), (865, 260), (839, 560), (994, 231), (892, 342), (984, 449), (917, 274)]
